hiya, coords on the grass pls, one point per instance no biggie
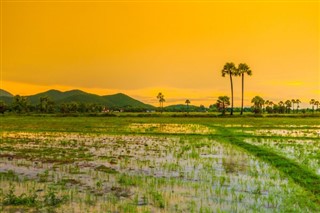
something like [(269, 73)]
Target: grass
[(301, 175)]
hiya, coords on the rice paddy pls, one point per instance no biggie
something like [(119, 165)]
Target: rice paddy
[(159, 164)]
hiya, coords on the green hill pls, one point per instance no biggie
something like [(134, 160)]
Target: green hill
[(4, 93), (122, 100), (116, 100), (55, 95), (6, 99)]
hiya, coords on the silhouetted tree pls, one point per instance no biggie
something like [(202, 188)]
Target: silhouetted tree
[(243, 69), (161, 99), (276, 108), (282, 108), (288, 105), (20, 104), (231, 70), (187, 102), (269, 106), (222, 104), (46, 104), (312, 101), (258, 102)]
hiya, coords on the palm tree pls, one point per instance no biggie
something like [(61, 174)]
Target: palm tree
[(293, 101), (281, 107), (243, 69), (298, 102), (230, 69), (188, 102), (222, 103), (312, 101), (288, 105), (258, 102), (269, 105), (160, 96)]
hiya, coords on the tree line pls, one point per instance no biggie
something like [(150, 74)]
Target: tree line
[(259, 104), (21, 104), (46, 105)]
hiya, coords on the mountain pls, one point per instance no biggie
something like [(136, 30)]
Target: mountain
[(58, 96), (116, 100), (5, 96), (4, 93), (122, 100)]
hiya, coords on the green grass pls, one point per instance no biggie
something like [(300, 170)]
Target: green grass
[(301, 175)]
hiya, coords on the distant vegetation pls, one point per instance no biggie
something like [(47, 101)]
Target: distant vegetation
[(289, 106), (72, 101), (76, 101)]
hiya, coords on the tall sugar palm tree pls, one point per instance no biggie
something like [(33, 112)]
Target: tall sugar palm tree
[(188, 102), (160, 96), (231, 70), (243, 69)]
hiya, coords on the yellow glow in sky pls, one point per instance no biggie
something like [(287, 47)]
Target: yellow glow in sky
[(179, 48)]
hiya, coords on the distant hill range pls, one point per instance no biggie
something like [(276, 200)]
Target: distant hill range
[(116, 100)]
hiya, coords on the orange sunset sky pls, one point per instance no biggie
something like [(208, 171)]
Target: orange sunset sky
[(177, 47)]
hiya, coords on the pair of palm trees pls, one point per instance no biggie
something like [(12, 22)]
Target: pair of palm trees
[(297, 102), (313, 103), (231, 70)]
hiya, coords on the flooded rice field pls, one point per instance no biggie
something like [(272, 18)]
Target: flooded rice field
[(314, 133), (149, 168)]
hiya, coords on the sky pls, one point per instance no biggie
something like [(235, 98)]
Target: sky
[(141, 48)]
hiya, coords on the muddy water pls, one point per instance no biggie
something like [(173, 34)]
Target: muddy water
[(146, 173)]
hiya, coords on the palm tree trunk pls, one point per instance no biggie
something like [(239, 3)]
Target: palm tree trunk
[(292, 107), (242, 94), (161, 107), (231, 113)]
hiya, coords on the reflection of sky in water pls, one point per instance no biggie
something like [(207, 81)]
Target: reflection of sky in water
[(286, 132), (170, 128), (183, 170)]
